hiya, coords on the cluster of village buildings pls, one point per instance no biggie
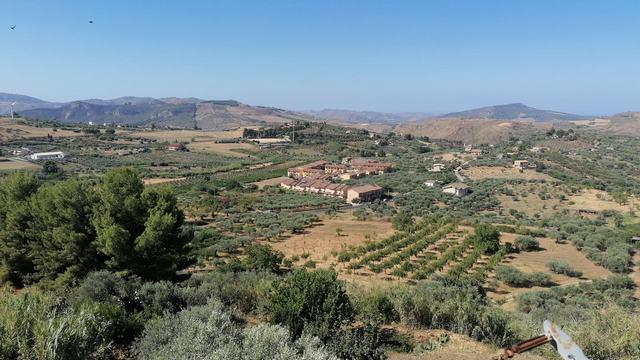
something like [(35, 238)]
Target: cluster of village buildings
[(316, 178)]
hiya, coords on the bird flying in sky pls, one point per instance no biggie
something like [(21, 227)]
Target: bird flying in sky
[(13, 27), (90, 21)]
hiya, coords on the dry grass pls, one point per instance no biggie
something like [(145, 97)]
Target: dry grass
[(527, 200), (598, 200), (536, 261), (459, 347), (225, 149), (13, 164), (182, 135), (320, 241), (270, 182), (11, 130), (156, 181), (495, 172)]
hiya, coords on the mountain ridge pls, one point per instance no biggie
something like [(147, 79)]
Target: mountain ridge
[(514, 111)]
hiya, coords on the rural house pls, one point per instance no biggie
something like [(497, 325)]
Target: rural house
[(523, 164), (457, 189), (364, 193)]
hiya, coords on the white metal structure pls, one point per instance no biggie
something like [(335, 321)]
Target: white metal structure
[(54, 155)]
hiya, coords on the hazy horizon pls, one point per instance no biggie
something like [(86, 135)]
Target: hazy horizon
[(385, 56)]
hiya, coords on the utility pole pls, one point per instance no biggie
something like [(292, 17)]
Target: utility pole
[(294, 132)]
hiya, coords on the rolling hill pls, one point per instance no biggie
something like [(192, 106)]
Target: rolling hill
[(476, 131), (22, 102), (366, 117), (516, 111), (174, 112)]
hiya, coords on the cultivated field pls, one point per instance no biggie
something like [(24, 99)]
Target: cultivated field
[(157, 181), (11, 130), (14, 164), (322, 240), (182, 135), (496, 172), (224, 149), (536, 261)]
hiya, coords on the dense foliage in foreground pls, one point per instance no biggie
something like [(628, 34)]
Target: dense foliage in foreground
[(59, 231)]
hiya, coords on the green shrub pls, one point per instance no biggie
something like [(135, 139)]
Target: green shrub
[(562, 267), (315, 298), (512, 276), (210, 332), (526, 243)]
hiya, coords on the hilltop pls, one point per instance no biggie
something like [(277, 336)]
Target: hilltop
[(513, 112)]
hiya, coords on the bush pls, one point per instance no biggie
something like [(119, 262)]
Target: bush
[(37, 326), (562, 267), (512, 276), (540, 279), (262, 257), (526, 243), (316, 299), (209, 332), (457, 308)]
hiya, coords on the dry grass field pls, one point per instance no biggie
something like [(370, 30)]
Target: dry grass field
[(496, 172), (536, 261), (270, 182), (527, 198), (182, 135), (156, 181), (224, 149), (13, 164), (598, 200), (11, 130), (322, 240)]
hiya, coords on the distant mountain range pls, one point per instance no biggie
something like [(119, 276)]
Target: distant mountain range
[(516, 111), (229, 114), (176, 112), (371, 117)]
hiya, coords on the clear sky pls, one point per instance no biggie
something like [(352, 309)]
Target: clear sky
[(579, 56)]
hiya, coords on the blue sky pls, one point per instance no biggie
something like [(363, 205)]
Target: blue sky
[(433, 56)]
